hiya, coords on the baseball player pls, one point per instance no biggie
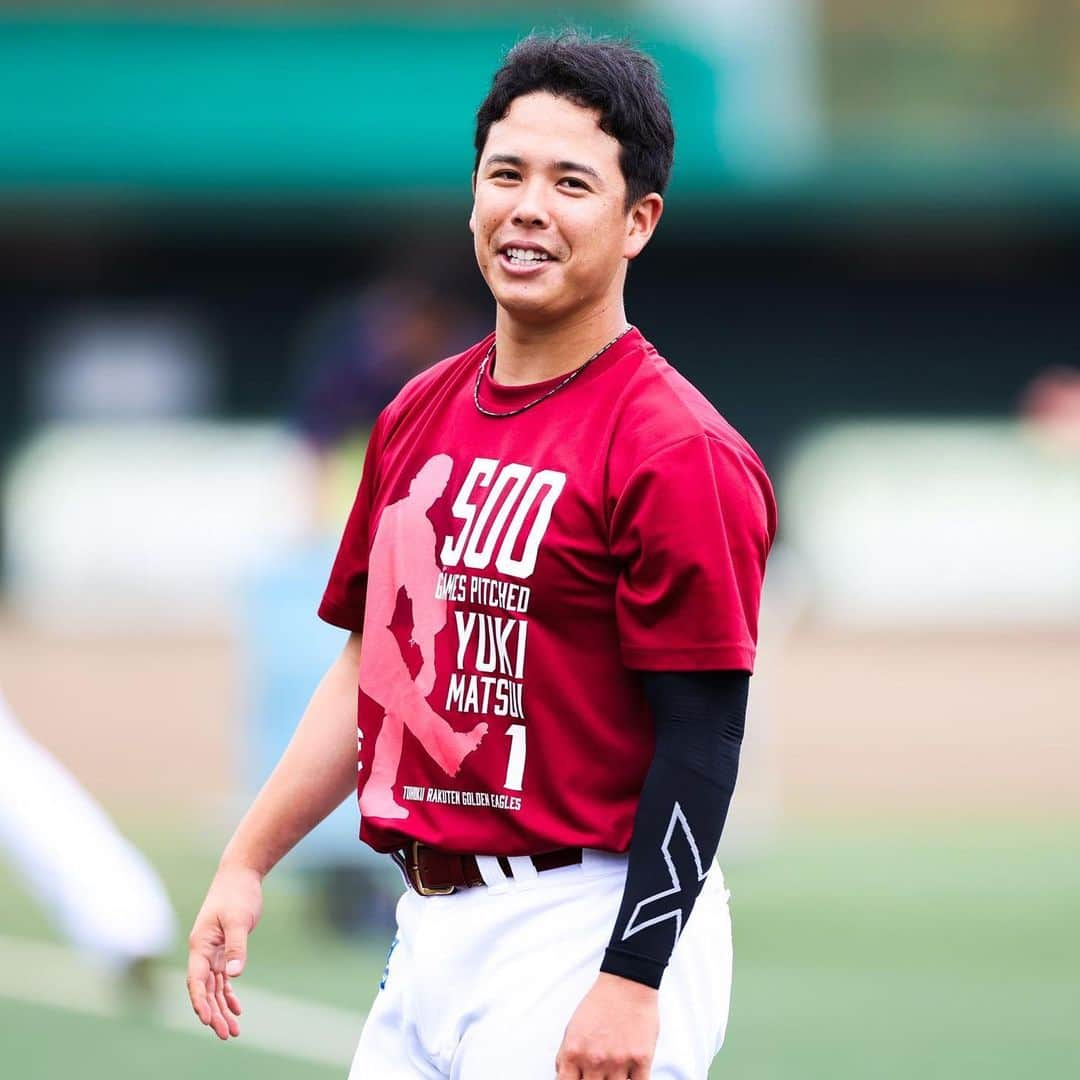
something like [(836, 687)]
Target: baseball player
[(555, 555), (96, 886)]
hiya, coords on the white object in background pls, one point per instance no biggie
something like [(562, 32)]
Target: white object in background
[(951, 523), (150, 525), (101, 891), (124, 363), (756, 811)]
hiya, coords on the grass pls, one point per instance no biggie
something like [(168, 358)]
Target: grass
[(929, 954), (859, 954)]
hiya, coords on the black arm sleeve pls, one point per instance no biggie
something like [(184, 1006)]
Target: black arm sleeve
[(700, 717)]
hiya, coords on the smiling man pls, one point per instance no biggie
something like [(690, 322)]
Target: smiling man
[(552, 574)]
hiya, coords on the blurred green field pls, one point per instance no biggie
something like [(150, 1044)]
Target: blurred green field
[(939, 952)]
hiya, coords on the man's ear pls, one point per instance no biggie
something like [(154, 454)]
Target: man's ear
[(472, 212), (641, 223)]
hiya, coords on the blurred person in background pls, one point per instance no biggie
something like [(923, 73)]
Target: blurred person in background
[(1051, 404), (99, 890), (357, 354)]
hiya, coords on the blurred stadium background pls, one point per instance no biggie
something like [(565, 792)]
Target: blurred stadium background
[(870, 262)]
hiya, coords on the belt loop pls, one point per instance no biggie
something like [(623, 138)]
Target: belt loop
[(403, 866), (491, 872), (524, 870)]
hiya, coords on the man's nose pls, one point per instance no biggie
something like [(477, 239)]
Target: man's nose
[(531, 209)]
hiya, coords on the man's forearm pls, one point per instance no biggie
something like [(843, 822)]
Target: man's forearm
[(315, 774), (700, 718)]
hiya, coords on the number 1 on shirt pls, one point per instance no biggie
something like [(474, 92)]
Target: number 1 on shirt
[(515, 768)]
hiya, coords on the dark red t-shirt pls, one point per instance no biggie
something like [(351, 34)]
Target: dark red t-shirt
[(509, 575)]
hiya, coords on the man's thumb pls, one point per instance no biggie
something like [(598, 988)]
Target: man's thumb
[(235, 949)]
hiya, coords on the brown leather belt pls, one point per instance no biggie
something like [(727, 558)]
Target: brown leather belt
[(432, 872)]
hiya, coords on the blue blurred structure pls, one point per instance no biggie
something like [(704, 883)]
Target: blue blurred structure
[(285, 650)]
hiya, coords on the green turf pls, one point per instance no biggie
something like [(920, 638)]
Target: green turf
[(935, 953), (932, 955), (44, 1044)]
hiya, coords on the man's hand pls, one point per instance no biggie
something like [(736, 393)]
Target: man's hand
[(612, 1034), (217, 947)]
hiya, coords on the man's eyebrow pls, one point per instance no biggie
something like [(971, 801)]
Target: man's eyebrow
[(574, 166), (557, 166)]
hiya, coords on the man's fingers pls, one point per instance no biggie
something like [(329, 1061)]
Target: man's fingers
[(579, 1067), (563, 1069), (575, 1066), (202, 984), (231, 1026), (232, 1000), (217, 1019), (199, 1004), (214, 1002), (198, 971)]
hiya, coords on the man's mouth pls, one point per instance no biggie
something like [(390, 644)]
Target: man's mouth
[(518, 256)]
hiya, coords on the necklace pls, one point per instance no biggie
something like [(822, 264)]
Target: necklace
[(544, 396)]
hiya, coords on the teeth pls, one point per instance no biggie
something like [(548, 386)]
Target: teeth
[(525, 255)]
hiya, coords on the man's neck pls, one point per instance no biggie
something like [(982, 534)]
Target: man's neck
[(529, 353)]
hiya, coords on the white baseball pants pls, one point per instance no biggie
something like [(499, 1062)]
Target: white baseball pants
[(480, 985), (102, 893)]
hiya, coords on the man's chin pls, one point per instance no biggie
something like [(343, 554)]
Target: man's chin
[(528, 309)]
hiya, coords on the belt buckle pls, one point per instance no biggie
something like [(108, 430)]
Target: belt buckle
[(412, 870)]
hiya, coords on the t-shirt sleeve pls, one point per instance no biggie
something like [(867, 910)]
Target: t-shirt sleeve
[(343, 601), (691, 528)]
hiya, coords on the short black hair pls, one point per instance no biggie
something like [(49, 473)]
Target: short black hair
[(609, 75)]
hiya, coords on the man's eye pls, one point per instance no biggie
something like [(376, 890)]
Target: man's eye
[(573, 181), (504, 174)]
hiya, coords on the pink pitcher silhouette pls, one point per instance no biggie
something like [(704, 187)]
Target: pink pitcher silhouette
[(403, 557)]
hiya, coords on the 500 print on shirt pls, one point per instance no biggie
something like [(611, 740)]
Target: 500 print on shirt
[(500, 513)]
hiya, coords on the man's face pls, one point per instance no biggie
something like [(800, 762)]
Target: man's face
[(550, 225)]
